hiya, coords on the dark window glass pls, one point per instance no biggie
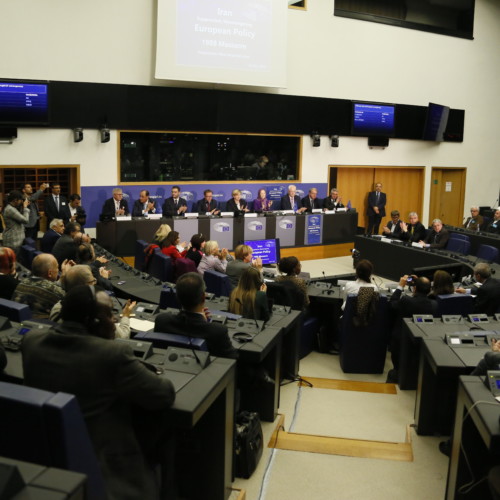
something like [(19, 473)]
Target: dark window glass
[(180, 157)]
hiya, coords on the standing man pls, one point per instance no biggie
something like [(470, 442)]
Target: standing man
[(175, 205), (115, 206), (16, 215), (376, 208), (291, 201), (207, 205), (333, 201), (144, 205), (74, 211), (414, 230), (475, 221), (55, 204), (31, 229), (311, 202)]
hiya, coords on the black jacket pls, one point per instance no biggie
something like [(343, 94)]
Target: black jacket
[(170, 210)]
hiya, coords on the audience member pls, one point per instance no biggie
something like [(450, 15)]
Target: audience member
[(290, 267), (15, 215), (144, 205), (66, 246), (261, 203), (405, 306), (333, 201), (55, 204), (249, 298), (175, 205), (475, 221), (242, 260), (115, 206), (193, 319), (364, 271), (161, 234), (311, 202), (31, 229), (207, 205), (438, 237), (413, 231), (8, 273), (260, 168), (40, 290), (490, 361), (52, 235), (442, 284), (494, 225), (291, 201), (195, 253), (214, 258), (236, 204), (74, 211), (170, 243), (108, 380), (85, 255), (486, 290), (394, 226), (376, 208)]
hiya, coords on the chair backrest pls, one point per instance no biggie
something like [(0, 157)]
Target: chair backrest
[(454, 303), (14, 310), (140, 256), (459, 236), (458, 245), (285, 293), (30, 242), (487, 252), (161, 267), (183, 266), (168, 297), (164, 340), (48, 429), (217, 283), (354, 358)]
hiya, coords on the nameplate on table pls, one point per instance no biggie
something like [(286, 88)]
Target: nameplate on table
[(123, 217), (317, 210), (153, 216), (191, 215), (329, 211), (251, 215), (341, 209), (416, 245), (287, 212), (386, 240), (227, 214)]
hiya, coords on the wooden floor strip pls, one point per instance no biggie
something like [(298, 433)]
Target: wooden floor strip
[(359, 448), (349, 385)]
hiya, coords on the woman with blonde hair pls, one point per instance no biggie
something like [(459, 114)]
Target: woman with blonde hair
[(249, 298), (214, 258), (161, 234)]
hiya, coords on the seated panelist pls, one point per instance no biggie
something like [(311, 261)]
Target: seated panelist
[(291, 201), (261, 203), (115, 206), (207, 205), (414, 230), (311, 202), (175, 205), (394, 226), (333, 201), (144, 205), (236, 203), (475, 221)]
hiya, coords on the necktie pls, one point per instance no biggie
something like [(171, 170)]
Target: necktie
[(175, 201), (411, 230), (145, 206), (57, 203), (378, 196)]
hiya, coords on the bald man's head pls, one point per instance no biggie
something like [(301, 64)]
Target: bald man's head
[(45, 266)]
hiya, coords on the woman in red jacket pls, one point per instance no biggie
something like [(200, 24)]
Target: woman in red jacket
[(170, 243)]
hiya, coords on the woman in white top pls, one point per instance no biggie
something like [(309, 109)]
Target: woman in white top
[(364, 271), (213, 258)]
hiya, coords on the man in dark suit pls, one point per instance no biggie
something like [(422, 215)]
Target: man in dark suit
[(333, 201), (291, 201), (31, 229), (144, 205), (394, 226), (376, 209), (406, 306), (175, 205), (207, 205), (311, 202), (55, 204), (494, 225), (438, 237), (193, 320), (487, 292), (125, 412), (52, 235), (66, 246), (414, 230), (475, 221), (74, 212), (115, 206), (236, 204)]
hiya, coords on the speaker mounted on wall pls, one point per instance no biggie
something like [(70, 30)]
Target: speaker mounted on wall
[(378, 142)]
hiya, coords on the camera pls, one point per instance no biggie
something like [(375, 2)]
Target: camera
[(409, 279)]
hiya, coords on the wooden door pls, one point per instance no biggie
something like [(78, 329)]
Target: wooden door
[(447, 195)]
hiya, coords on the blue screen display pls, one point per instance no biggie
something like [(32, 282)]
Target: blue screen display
[(373, 120), (24, 103), (267, 250)]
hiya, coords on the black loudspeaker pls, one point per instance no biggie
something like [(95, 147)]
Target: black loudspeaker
[(8, 133), (378, 142)]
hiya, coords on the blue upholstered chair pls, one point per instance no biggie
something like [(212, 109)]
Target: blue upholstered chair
[(459, 236), (164, 340), (458, 245), (168, 297), (363, 348), (454, 303), (488, 253), (217, 283), (140, 246), (14, 310), (48, 429), (161, 267)]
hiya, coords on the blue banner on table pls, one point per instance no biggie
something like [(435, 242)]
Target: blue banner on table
[(221, 230), (255, 228), (285, 230), (186, 228), (314, 226)]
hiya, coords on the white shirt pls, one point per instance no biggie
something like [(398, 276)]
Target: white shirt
[(352, 287)]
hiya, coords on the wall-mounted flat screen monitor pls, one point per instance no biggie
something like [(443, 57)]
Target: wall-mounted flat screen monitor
[(373, 120), (267, 250), (24, 103), (436, 121)]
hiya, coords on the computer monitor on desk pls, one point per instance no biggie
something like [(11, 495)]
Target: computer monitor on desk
[(267, 250)]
